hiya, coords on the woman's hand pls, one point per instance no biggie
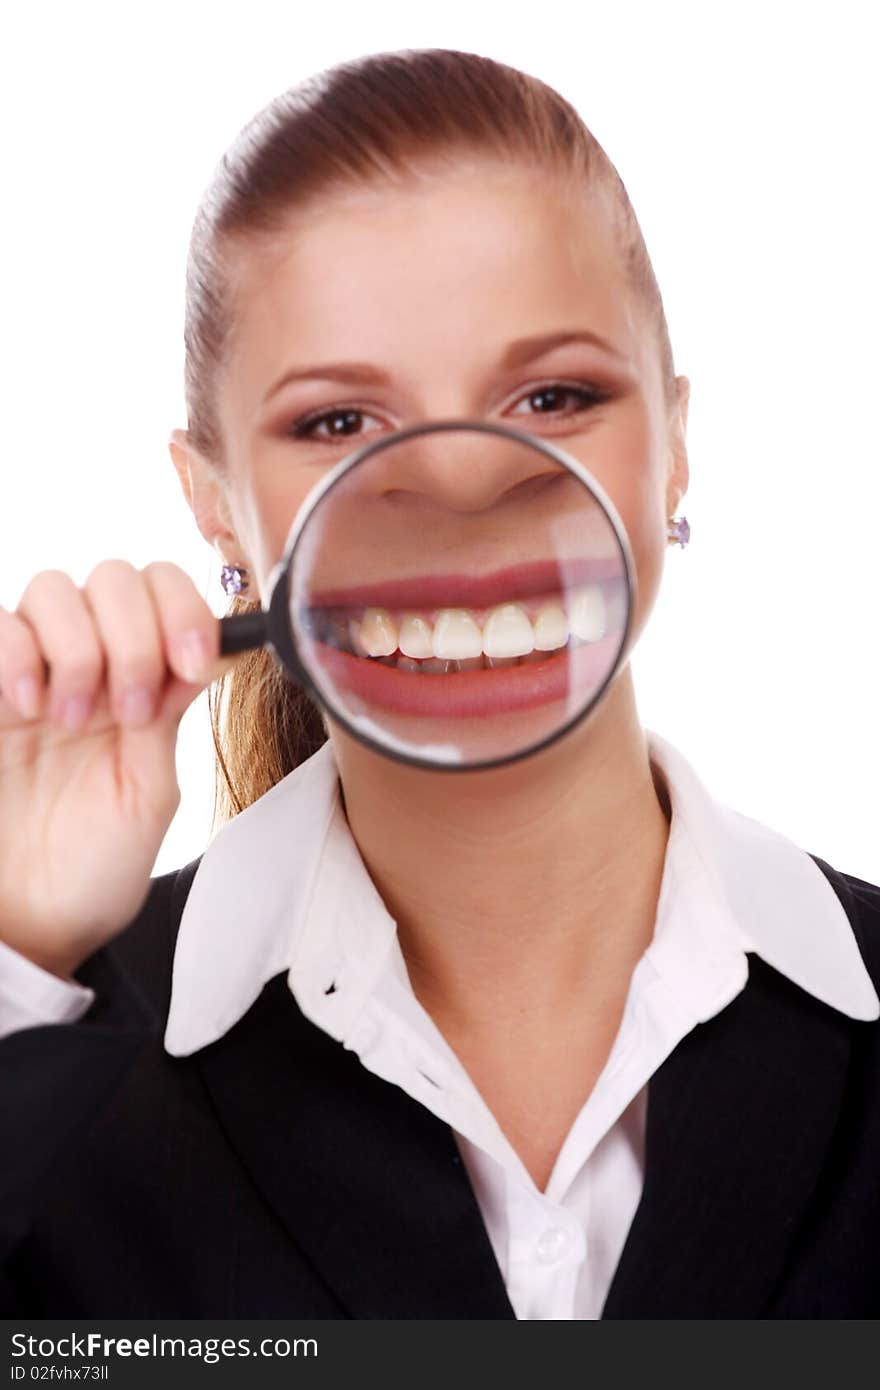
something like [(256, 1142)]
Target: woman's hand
[(93, 685)]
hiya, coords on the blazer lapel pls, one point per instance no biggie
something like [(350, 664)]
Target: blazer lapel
[(368, 1183), (739, 1120)]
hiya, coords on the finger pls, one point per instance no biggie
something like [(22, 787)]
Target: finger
[(65, 634), (22, 682), (125, 617), (190, 632)]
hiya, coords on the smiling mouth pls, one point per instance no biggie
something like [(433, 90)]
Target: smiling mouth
[(444, 640)]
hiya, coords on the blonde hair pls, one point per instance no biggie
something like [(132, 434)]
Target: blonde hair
[(351, 123)]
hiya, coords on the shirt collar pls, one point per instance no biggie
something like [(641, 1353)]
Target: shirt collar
[(275, 889)]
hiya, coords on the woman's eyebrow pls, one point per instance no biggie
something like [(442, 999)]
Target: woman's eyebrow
[(516, 354), (355, 373), (524, 349)]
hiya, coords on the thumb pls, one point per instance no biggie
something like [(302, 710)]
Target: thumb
[(179, 694)]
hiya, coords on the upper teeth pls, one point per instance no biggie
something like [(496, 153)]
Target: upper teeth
[(506, 630)]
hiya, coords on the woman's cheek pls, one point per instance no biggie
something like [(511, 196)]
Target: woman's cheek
[(648, 555), (640, 502), (269, 513)]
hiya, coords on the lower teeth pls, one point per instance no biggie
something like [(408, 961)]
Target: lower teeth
[(438, 666)]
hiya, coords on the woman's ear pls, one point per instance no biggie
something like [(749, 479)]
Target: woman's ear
[(679, 472), (683, 386), (205, 494)]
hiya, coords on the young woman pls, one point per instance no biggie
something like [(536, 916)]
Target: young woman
[(562, 1038)]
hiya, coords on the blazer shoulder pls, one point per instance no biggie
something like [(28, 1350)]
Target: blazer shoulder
[(132, 972)]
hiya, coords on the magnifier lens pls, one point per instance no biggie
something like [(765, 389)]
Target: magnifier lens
[(460, 595)]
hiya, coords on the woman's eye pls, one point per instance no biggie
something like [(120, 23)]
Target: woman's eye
[(341, 424), (550, 399), (553, 398)]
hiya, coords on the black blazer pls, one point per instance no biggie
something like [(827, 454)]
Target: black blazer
[(271, 1174)]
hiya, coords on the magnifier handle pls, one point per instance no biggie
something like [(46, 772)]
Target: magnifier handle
[(243, 632)]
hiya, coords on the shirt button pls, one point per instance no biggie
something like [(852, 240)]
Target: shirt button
[(552, 1246)]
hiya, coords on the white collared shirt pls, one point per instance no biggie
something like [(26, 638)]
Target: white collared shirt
[(283, 887)]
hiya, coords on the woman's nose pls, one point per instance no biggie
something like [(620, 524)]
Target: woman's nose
[(458, 470)]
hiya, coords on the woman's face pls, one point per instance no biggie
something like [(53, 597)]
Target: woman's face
[(429, 283)]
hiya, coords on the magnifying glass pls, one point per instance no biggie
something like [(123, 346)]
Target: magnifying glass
[(456, 595)]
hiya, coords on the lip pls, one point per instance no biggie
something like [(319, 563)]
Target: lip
[(460, 590), (470, 694)]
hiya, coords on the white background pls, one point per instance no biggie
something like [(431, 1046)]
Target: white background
[(747, 137)]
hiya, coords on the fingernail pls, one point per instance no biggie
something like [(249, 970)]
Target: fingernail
[(136, 706), (27, 696), (191, 655), (75, 711)]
